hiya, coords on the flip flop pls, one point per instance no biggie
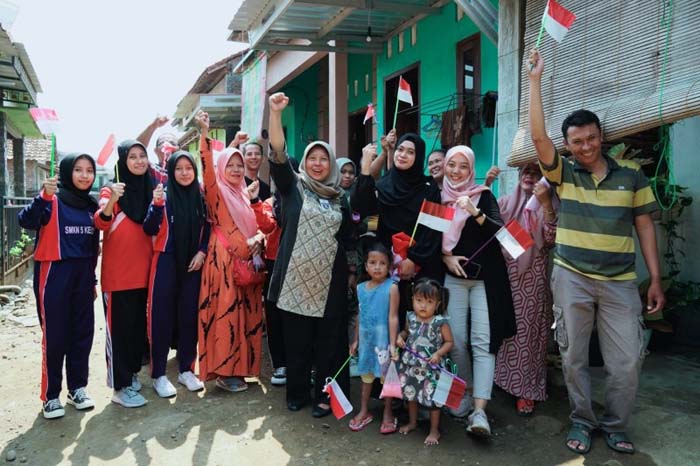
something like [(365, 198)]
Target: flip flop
[(522, 406), (357, 426), (613, 438), (389, 427), (582, 434)]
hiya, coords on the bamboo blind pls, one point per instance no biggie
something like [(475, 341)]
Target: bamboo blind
[(611, 63)]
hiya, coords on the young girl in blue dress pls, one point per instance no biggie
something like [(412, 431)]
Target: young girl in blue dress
[(375, 336)]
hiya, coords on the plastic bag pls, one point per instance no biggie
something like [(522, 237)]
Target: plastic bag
[(392, 383)]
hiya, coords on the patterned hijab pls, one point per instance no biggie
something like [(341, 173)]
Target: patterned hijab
[(328, 188)]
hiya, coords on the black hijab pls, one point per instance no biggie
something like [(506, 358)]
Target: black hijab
[(399, 187), (68, 193), (138, 189), (187, 208)]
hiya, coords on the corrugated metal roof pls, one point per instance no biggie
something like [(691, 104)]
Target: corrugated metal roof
[(272, 24)]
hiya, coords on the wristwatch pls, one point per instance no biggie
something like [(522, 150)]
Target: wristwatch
[(480, 214)]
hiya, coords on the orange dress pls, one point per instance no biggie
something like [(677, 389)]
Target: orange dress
[(230, 317)]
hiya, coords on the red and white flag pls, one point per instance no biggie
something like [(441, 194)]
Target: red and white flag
[(404, 94), (514, 239), (449, 390), (371, 113), (557, 20), (107, 151), (168, 149), (46, 120), (436, 216), (339, 402), (217, 145)]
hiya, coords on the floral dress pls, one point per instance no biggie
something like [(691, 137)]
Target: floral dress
[(418, 379)]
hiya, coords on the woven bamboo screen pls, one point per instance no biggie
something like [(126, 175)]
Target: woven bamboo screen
[(612, 63)]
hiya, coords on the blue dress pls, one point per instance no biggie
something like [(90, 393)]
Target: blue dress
[(373, 346)]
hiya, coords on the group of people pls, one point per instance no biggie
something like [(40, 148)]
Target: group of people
[(206, 269)]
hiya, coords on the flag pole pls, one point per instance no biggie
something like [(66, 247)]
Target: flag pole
[(396, 110), (415, 228), (539, 36), (116, 171), (53, 154)]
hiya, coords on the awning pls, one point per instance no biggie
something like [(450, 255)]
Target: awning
[(325, 25), (635, 64), (22, 121), (223, 109)]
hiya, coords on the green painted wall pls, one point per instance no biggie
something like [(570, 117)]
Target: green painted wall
[(300, 118), (358, 67), (435, 51)]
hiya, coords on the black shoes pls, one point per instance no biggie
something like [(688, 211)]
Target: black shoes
[(319, 412), (295, 405)]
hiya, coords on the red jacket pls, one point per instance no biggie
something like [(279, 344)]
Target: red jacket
[(264, 215)]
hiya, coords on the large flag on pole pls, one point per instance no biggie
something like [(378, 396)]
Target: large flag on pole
[(46, 120), (557, 20), (107, 151), (340, 406), (436, 216), (404, 94), (514, 239)]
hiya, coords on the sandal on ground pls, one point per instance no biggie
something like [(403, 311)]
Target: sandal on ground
[(357, 426), (582, 434), (614, 438), (389, 427), (524, 407)]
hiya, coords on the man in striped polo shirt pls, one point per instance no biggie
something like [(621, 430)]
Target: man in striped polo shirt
[(593, 281)]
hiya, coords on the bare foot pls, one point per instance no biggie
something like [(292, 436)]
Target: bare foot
[(576, 445), (406, 428), (432, 438)]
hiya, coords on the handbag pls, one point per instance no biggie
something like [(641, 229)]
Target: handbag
[(245, 271)]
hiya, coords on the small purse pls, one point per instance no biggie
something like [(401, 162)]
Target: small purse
[(246, 272)]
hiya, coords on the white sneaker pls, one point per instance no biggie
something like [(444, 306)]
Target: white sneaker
[(279, 376), (465, 405), (479, 424), (189, 380), (80, 399), (129, 398), (53, 409), (163, 387), (135, 382)]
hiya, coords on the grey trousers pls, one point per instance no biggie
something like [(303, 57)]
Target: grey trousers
[(615, 308)]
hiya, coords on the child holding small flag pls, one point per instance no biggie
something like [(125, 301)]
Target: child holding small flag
[(477, 279), (426, 340), (375, 336)]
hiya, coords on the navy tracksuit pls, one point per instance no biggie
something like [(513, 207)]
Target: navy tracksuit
[(65, 257), (172, 304)]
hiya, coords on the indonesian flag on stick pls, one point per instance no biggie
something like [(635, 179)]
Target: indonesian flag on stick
[(46, 119), (514, 239), (168, 149), (339, 402), (107, 151), (436, 216), (371, 113), (404, 94), (216, 145), (557, 20), (449, 390)]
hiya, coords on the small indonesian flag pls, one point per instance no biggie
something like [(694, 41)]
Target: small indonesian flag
[(449, 390), (107, 151), (216, 145), (371, 113), (46, 120), (168, 149), (557, 20), (404, 94), (339, 402), (514, 239), (436, 216)]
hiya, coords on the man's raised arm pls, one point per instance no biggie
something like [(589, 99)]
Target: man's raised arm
[(543, 145)]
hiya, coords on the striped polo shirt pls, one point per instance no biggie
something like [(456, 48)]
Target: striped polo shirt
[(596, 217)]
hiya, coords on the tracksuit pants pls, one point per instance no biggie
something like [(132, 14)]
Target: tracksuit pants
[(274, 324), (64, 293), (172, 305), (125, 316)]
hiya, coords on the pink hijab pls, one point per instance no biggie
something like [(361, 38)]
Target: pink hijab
[(452, 192), (519, 206), (235, 196)]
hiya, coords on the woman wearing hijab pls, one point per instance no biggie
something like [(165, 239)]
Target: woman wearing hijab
[(180, 244), (64, 279), (398, 199), (230, 315), (310, 279), (126, 262), (477, 279), (520, 364)]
